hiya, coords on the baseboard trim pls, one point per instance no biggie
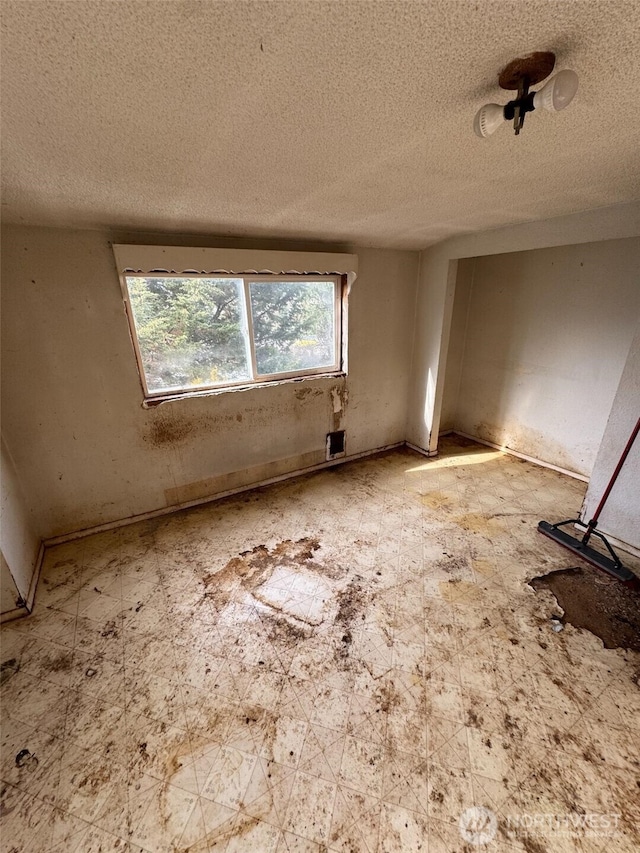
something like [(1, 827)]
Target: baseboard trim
[(167, 510), (617, 543), (35, 577), (27, 607), (16, 613), (421, 450), (524, 456)]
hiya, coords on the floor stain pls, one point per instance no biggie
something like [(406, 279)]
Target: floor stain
[(59, 662), (253, 569), (437, 501), (452, 565), (10, 798), (27, 759), (110, 630), (255, 566), (456, 589), (388, 697), (484, 568), (596, 602), (8, 669), (402, 660), (285, 631), (476, 522), (351, 602)]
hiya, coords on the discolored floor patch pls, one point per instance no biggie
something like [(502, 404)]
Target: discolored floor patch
[(296, 593), (287, 579), (598, 603), (8, 669)]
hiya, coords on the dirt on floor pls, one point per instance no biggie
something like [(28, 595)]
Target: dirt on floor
[(597, 602), (254, 567)]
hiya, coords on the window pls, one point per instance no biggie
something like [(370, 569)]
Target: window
[(204, 319), (193, 332)]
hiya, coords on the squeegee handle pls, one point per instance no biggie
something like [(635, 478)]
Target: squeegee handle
[(614, 477)]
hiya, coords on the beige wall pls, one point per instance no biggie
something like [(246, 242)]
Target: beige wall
[(436, 289), (86, 451), (621, 515), (545, 336), (10, 599), (19, 537), (457, 339)]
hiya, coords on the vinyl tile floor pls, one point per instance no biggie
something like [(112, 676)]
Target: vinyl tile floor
[(348, 661)]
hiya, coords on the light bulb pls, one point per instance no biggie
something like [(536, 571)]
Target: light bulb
[(558, 92), (488, 119)]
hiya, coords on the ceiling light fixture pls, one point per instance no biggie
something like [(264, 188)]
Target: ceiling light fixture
[(556, 94)]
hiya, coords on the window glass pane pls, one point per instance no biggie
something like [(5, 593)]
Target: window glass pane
[(293, 325), (191, 331)]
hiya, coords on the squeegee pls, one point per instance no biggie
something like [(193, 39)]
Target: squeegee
[(607, 562)]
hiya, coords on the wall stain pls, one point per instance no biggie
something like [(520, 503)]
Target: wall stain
[(521, 438), (308, 393), (243, 479), (165, 429), (162, 432)]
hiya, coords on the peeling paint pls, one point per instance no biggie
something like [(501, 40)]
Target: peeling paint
[(339, 401)]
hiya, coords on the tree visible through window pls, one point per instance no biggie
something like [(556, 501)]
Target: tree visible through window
[(197, 332)]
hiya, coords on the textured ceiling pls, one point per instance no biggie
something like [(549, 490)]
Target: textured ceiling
[(342, 121)]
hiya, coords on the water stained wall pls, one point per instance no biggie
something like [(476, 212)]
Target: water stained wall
[(88, 453), (538, 343)]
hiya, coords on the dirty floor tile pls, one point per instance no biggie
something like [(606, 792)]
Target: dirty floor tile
[(349, 661)]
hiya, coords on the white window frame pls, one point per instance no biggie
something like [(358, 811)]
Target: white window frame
[(250, 265)]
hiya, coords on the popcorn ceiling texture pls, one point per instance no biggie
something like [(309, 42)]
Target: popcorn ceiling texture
[(342, 121)]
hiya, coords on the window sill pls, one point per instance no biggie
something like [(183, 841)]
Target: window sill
[(152, 402)]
